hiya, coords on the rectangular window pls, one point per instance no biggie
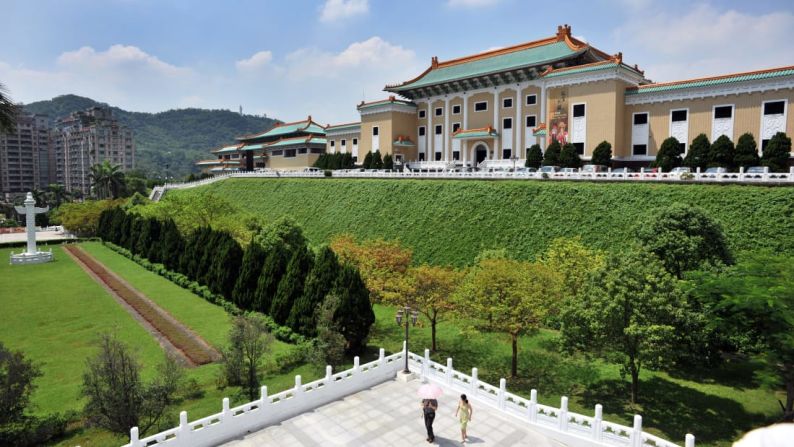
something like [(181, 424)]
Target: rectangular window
[(481, 106), (302, 150), (438, 129), (277, 153), (456, 155), (640, 118), (375, 131), (455, 127), (342, 143), (723, 112), (507, 123), (421, 156), (507, 103), (506, 153), (316, 150), (764, 143), (532, 121), (422, 114), (579, 148), (682, 147), (578, 110), (439, 111), (438, 156), (456, 109), (639, 149), (422, 131), (355, 141), (678, 115), (774, 108), (532, 100), (289, 153)]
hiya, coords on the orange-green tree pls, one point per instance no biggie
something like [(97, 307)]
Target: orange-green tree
[(429, 290), (574, 261), (509, 296), (382, 264)]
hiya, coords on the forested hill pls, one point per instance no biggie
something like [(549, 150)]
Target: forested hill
[(174, 137)]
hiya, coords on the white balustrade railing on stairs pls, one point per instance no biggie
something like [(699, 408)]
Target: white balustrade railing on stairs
[(443, 170), (573, 429)]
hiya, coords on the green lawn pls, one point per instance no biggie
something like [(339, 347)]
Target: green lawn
[(716, 406)]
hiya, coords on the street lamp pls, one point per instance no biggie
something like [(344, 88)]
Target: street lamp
[(409, 315)]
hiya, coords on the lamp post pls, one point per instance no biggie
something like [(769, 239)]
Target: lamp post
[(514, 158), (410, 316)]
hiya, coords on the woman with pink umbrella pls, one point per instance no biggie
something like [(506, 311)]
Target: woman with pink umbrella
[(429, 394)]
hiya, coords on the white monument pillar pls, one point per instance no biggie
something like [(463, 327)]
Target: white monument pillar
[(32, 255)]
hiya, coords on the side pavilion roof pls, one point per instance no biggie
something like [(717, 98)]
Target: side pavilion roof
[(286, 130)]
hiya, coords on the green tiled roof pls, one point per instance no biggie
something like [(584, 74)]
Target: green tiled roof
[(297, 142), (522, 58), (739, 77), (226, 149), (252, 147), (403, 143), (585, 69), (287, 129), (475, 133), (344, 127), (386, 101), (317, 140), (540, 133)]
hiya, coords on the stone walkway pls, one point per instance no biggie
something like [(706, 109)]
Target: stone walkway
[(389, 415)]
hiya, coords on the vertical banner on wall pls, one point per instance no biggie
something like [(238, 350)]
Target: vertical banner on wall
[(558, 117)]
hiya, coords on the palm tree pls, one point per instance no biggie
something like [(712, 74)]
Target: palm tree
[(58, 194), (107, 180), (8, 112)]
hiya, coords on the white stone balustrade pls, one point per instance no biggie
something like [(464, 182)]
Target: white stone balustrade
[(570, 428)]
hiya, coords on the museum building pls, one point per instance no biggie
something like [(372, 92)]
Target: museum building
[(489, 108)]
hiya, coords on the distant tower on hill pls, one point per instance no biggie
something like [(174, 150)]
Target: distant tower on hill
[(241, 110)]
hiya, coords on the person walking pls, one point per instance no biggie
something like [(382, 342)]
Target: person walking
[(465, 411), (429, 407)]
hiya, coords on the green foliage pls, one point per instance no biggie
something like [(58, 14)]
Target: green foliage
[(684, 238), (377, 162), (333, 161), (367, 161), (274, 268), (569, 157), (602, 154), (167, 143), (698, 155), (388, 162), (669, 155), (534, 157), (552, 155), (245, 287), (722, 152), (328, 347), (353, 316), (225, 266), (16, 384), (628, 312), (465, 217), (746, 153), (290, 287), (82, 218), (324, 272), (777, 153), (249, 342)]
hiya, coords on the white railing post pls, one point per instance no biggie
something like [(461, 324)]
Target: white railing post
[(381, 357), (134, 442), (636, 433), (227, 414), (298, 385), (533, 406), (474, 385), (689, 440), (449, 370), (184, 430), (329, 370), (562, 417), (426, 365), (262, 397), (599, 416), (502, 390), (356, 366)]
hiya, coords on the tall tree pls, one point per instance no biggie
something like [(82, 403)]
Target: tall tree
[(569, 157), (534, 157), (377, 161), (388, 162), (777, 153), (272, 270), (249, 342), (746, 153), (245, 286), (16, 384), (8, 112), (628, 311), (602, 154), (552, 155), (699, 153), (367, 161), (722, 152), (172, 244), (574, 261), (684, 238), (354, 316), (669, 155), (290, 288), (325, 270), (107, 180), (431, 293), (58, 194), (509, 296), (382, 263), (225, 265)]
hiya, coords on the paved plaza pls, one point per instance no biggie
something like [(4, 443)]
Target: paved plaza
[(389, 415)]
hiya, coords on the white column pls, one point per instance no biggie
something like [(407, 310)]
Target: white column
[(518, 124), (430, 133), (447, 133), (543, 118), (464, 125), (497, 149)]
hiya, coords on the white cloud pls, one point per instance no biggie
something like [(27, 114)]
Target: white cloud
[(471, 3), (256, 62), (117, 57), (334, 10), (705, 41)]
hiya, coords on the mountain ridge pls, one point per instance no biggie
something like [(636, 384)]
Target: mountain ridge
[(168, 143)]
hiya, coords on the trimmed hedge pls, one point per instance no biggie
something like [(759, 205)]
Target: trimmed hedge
[(281, 333), (451, 221)]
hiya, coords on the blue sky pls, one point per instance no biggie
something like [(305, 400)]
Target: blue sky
[(292, 58)]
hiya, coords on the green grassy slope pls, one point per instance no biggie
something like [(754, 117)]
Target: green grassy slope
[(450, 221)]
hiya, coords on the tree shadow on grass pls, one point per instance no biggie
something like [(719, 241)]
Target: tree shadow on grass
[(676, 410), (739, 373)]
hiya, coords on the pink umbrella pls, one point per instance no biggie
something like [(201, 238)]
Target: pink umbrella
[(430, 391)]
